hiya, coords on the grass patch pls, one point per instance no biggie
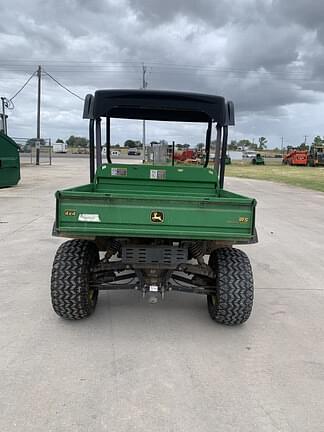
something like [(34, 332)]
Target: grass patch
[(307, 177)]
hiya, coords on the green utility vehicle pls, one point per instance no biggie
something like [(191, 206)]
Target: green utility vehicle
[(149, 227), (257, 160), (228, 160)]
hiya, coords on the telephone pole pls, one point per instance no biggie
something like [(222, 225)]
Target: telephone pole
[(3, 117), (39, 88), (144, 86), (282, 143)]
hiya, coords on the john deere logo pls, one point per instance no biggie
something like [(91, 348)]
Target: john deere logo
[(157, 217)]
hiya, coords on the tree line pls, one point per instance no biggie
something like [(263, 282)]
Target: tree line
[(234, 145)]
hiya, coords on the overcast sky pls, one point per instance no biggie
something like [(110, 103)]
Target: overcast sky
[(267, 56)]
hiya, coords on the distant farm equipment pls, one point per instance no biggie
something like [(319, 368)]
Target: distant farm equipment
[(228, 160), (313, 157), (316, 156), (296, 158), (257, 160), (185, 155)]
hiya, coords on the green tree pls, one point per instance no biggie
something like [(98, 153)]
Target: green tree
[(318, 140), (233, 145), (130, 143), (200, 146), (75, 141), (303, 146), (245, 144), (262, 143), (59, 140)]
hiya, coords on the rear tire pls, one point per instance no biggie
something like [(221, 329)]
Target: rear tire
[(233, 300), (71, 295)]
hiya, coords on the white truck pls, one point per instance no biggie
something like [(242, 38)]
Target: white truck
[(249, 154), (59, 148)]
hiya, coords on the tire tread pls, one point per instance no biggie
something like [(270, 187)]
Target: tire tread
[(70, 279), (234, 286)]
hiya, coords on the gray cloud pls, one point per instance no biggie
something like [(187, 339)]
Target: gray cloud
[(156, 12), (308, 13)]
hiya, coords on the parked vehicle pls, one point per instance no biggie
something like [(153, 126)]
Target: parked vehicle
[(183, 155), (59, 148), (257, 160), (316, 156), (296, 158), (155, 223), (248, 154), (115, 153), (134, 152)]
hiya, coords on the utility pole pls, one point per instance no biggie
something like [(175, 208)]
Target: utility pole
[(144, 86), (306, 136), (3, 117), (39, 87), (282, 143)]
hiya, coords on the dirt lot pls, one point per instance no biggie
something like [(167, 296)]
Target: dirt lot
[(136, 366)]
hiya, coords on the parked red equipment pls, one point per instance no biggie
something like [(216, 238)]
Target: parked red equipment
[(296, 157), (183, 155)]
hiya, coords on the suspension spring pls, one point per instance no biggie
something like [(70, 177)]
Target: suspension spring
[(196, 251)]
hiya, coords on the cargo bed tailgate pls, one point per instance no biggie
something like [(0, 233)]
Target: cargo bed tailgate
[(84, 212)]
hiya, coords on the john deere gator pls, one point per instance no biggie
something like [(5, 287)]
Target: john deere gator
[(151, 228)]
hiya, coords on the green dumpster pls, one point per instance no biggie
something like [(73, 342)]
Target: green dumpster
[(9, 161)]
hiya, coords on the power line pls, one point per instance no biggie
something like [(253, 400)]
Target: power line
[(127, 67), (129, 64), (132, 63), (63, 86), (22, 88)]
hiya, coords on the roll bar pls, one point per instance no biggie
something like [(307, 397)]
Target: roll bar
[(228, 119)]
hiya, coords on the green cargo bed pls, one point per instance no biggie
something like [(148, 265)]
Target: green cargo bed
[(178, 202)]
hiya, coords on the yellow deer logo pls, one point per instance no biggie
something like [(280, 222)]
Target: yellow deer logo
[(157, 216)]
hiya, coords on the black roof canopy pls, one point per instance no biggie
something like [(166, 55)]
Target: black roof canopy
[(158, 105)]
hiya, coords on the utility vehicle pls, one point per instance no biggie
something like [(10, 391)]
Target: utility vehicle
[(316, 155), (228, 160), (257, 160), (295, 157), (149, 227)]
